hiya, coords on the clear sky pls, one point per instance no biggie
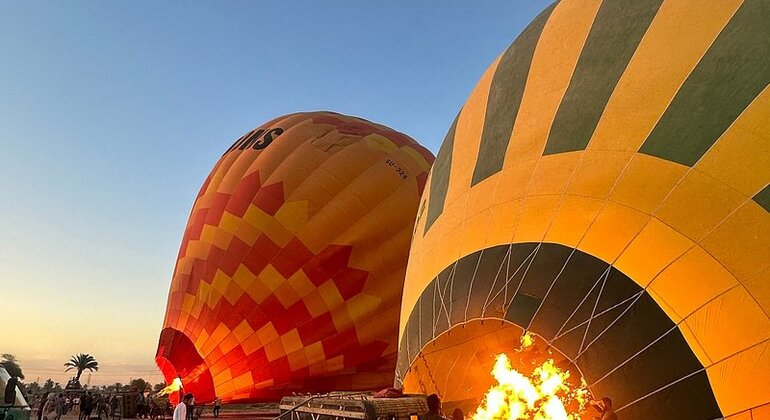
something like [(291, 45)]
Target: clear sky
[(113, 113)]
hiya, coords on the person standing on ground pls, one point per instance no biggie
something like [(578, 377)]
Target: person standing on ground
[(59, 406), (217, 407), (49, 410), (434, 409), (180, 412), (140, 413), (43, 400)]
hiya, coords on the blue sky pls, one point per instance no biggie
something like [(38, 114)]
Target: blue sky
[(113, 113)]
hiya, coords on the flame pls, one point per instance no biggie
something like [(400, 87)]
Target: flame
[(543, 395), (174, 386)]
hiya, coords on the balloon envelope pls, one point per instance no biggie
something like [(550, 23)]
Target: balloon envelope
[(605, 187), (291, 268)]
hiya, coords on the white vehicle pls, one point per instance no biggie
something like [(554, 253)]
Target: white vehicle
[(13, 406)]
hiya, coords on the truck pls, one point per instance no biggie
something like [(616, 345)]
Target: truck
[(13, 406)]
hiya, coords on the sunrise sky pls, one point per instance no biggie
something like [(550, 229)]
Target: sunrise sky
[(113, 113)]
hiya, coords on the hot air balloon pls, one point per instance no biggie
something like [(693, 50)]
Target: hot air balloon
[(291, 268), (605, 190)]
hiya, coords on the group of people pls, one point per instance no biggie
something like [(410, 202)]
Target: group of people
[(52, 405)]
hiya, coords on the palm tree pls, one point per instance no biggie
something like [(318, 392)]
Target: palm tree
[(82, 362)]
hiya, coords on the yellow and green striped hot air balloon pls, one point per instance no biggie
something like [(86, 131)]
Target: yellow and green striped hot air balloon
[(605, 187)]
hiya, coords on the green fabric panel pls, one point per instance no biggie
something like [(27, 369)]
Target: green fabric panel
[(763, 198), (439, 177), (617, 30), (732, 73), (505, 95)]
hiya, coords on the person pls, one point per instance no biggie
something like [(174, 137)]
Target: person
[(604, 407), (191, 409), (41, 406), (59, 406), (217, 407), (458, 414), (113, 405), (140, 409), (49, 411), (434, 409), (180, 412), (86, 406), (101, 406)]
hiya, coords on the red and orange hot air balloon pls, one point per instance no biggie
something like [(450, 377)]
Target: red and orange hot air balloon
[(291, 268)]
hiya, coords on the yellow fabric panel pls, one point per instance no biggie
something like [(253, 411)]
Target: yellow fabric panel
[(468, 130), (233, 292), (677, 38), (243, 381), (504, 217), (286, 294), (291, 341), (572, 219), (692, 341), (742, 416), (258, 291), (341, 319), (742, 242), (251, 344), (271, 278), (646, 182), (691, 281), (201, 339), (293, 215), (514, 181), (227, 344), (360, 305), (742, 381), (597, 173), (246, 232), (698, 204), (747, 142), (187, 303), (315, 304), (536, 217), (611, 232), (553, 63), (300, 283), (759, 287), (242, 331), (274, 350), (721, 328), (257, 217), (224, 388), (476, 231), (330, 295), (314, 353), (553, 173), (656, 246), (482, 196), (297, 360), (244, 277)]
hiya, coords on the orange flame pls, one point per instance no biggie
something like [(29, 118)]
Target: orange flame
[(544, 395)]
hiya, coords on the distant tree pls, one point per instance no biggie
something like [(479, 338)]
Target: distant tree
[(49, 385), (9, 362), (82, 362), (158, 387), (34, 388), (139, 383)]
